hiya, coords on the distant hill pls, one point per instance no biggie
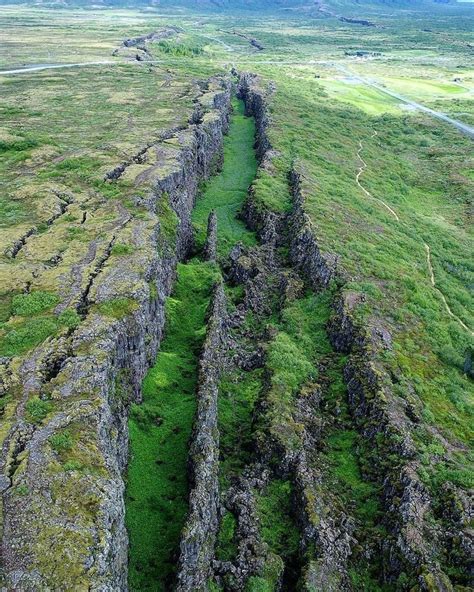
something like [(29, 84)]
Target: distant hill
[(254, 5)]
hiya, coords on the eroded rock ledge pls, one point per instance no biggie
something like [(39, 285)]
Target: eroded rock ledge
[(63, 529), (199, 532), (416, 537)]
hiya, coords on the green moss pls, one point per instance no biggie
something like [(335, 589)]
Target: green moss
[(238, 393), (362, 580), (153, 291), (213, 587), (21, 490), (117, 307), (168, 220), (271, 574), (342, 448), (23, 335), (279, 531), (292, 357), (73, 465)]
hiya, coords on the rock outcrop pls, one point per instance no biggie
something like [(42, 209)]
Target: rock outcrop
[(63, 524), (210, 246), (305, 254), (199, 532)]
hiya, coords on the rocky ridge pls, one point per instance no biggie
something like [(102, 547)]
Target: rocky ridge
[(199, 532), (417, 531), (83, 382)]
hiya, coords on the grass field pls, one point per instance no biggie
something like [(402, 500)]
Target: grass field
[(160, 429), (226, 192)]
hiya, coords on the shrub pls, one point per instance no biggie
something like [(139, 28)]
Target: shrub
[(69, 318), (34, 303), (73, 465), (37, 409), (61, 442), (26, 336), (21, 490), (17, 145), (122, 249)]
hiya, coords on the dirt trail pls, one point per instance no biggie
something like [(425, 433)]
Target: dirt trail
[(433, 283), (362, 168)]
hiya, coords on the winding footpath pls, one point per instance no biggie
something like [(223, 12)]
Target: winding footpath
[(433, 283), (361, 170)]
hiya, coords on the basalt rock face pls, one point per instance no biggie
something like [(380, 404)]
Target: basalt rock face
[(268, 225), (327, 533), (63, 522), (305, 253), (418, 532), (198, 536), (255, 105), (414, 541), (210, 247)]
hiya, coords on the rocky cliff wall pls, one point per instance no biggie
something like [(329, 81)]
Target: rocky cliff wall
[(63, 507), (387, 423), (199, 532)]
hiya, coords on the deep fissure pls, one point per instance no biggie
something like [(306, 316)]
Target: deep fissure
[(160, 427), (265, 385)]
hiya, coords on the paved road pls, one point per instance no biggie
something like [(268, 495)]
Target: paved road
[(463, 127), (53, 67)]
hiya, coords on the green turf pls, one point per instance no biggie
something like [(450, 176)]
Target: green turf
[(226, 192), (159, 432)]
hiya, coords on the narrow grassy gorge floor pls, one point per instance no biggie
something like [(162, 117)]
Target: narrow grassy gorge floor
[(226, 192), (160, 427)]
